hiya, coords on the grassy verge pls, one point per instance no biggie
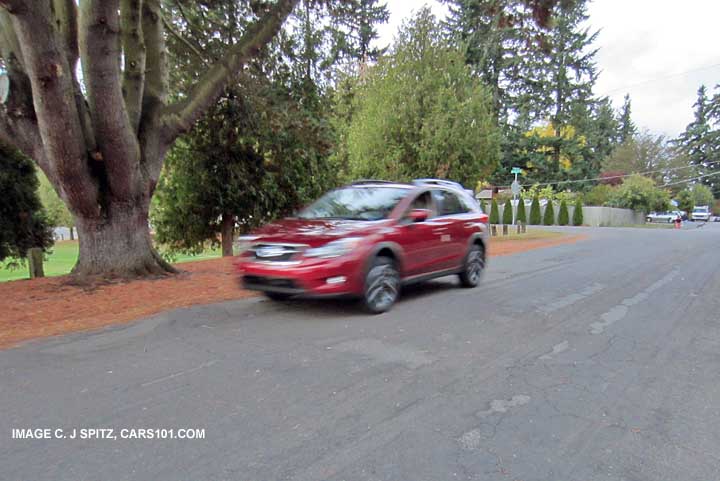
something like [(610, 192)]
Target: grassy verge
[(65, 253)]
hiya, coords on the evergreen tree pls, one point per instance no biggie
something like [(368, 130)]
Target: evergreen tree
[(508, 213), (410, 121), (627, 128), (549, 215), (578, 213), (563, 215), (23, 224), (700, 142), (520, 215), (494, 212), (535, 216)]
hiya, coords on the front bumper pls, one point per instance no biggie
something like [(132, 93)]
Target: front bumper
[(307, 278)]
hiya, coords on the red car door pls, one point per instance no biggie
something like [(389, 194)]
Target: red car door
[(422, 241), (455, 218)]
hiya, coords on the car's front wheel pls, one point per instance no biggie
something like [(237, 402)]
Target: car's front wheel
[(473, 267), (382, 285)]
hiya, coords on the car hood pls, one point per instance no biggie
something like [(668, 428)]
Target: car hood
[(315, 232)]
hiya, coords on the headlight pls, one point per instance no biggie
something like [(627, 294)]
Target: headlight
[(244, 242), (335, 248)]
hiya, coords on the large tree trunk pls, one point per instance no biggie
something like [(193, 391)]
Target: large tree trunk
[(227, 232), (118, 244)]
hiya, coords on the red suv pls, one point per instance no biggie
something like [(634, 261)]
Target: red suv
[(367, 239)]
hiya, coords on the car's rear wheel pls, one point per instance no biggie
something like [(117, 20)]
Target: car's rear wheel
[(277, 296), (473, 267), (382, 285)]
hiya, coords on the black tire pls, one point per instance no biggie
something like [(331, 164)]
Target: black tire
[(382, 285), (277, 296), (473, 266)]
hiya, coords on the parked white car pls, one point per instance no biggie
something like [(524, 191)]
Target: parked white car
[(668, 217), (701, 213)]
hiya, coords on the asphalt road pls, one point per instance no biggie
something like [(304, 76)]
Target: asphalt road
[(593, 361)]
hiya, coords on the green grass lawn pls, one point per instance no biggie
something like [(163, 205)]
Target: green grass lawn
[(64, 255)]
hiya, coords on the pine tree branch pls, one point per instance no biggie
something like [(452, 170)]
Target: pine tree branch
[(180, 117)]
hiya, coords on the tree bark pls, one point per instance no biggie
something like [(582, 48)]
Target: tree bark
[(118, 244), (35, 262), (227, 232), (72, 233)]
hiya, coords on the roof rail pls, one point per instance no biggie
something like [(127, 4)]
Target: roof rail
[(448, 183), (371, 181)]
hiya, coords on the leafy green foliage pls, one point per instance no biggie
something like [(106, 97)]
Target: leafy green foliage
[(641, 194), (535, 218), (256, 155), (702, 195), (411, 121), (494, 212), (507, 212), (58, 214), (23, 223), (520, 215), (563, 215), (578, 212), (598, 195), (685, 200), (549, 214)]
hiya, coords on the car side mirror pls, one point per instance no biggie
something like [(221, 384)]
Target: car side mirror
[(419, 215)]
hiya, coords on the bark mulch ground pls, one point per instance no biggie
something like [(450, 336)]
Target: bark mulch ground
[(37, 308)]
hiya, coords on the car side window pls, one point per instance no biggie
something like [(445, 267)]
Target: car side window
[(449, 203), (422, 201)]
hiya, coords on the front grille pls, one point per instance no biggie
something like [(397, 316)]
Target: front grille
[(275, 252), (275, 284)]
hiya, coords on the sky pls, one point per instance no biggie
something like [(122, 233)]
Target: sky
[(658, 51)]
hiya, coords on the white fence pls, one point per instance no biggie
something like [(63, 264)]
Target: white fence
[(592, 216)]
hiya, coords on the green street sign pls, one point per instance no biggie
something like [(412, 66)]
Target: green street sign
[(516, 170)]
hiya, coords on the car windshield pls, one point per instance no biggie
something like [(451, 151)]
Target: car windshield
[(700, 209), (355, 203)]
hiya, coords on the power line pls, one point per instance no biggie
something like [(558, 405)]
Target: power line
[(619, 176), (689, 180), (657, 79)]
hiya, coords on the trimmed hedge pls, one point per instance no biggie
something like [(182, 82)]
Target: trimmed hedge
[(563, 215), (549, 217), (535, 211), (507, 213), (494, 214), (520, 216), (578, 214)]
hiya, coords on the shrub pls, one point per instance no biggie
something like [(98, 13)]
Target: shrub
[(549, 216), (578, 214), (535, 211), (685, 200), (598, 195), (494, 214), (702, 195), (520, 216), (639, 193), (507, 213), (564, 215)]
